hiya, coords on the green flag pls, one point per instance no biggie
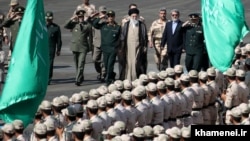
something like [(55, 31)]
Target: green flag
[(224, 27), (27, 78)]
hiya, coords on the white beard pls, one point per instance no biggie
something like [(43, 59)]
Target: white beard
[(134, 22)]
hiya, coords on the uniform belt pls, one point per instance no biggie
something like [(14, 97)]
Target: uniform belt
[(196, 109), (172, 119), (211, 104), (186, 115)]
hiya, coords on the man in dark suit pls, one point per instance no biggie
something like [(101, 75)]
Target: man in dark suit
[(173, 36)]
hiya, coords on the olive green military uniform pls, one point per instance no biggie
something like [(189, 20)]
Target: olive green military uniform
[(81, 43), (110, 35), (194, 46), (55, 42)]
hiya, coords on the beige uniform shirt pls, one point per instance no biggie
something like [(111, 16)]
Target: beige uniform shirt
[(168, 103), (149, 111), (183, 105), (158, 111), (232, 95), (188, 93), (215, 90), (141, 114), (175, 106), (244, 92), (89, 9), (247, 79), (122, 112), (207, 95), (113, 114), (131, 112), (106, 119), (156, 30)]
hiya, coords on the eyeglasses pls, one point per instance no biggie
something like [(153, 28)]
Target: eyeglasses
[(175, 15)]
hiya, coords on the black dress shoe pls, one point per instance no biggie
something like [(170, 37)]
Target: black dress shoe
[(77, 83)]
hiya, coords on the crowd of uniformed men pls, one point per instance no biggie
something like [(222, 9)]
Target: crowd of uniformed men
[(159, 106)]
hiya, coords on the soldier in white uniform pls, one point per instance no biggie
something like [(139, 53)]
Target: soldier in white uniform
[(131, 111), (231, 95), (97, 123), (211, 72), (158, 106), (175, 101), (141, 114), (243, 89), (188, 93), (154, 38), (198, 97), (207, 95), (112, 113), (19, 127), (167, 102), (101, 101)]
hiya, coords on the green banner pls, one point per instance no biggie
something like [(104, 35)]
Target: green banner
[(27, 78), (224, 27)]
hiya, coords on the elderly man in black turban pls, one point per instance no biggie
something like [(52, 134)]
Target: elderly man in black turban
[(133, 49)]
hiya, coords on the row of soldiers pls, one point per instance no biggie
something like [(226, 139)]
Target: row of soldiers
[(167, 102)]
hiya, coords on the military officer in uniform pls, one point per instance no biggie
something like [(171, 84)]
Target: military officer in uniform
[(194, 43), (82, 42), (110, 35), (14, 23), (55, 41), (154, 38)]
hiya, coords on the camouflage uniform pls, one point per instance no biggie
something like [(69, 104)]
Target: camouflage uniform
[(155, 35)]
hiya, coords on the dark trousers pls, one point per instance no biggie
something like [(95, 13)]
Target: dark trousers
[(194, 61), (109, 62), (97, 58), (51, 65), (174, 59), (79, 60)]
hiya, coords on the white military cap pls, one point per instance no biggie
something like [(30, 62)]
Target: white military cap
[(101, 101), (247, 46), (103, 90), (127, 84), (177, 84), (125, 137), (77, 127), (18, 124), (152, 75), (174, 132), (46, 105), (86, 124), (148, 130), (76, 98), (151, 87), (120, 125), (69, 111), (170, 71), (116, 138), (137, 82), (169, 81), (143, 78), (230, 72), (85, 95), (162, 137), (78, 108), (237, 50), (178, 69), (117, 95), (8, 128), (138, 132), (139, 91), (184, 77), (50, 125), (57, 102), (162, 75), (193, 74), (203, 75), (240, 73), (65, 99), (40, 128), (211, 71), (127, 95), (158, 129), (243, 51), (186, 132), (235, 112), (109, 99), (92, 104), (113, 131), (244, 108), (161, 85), (93, 94), (112, 87), (119, 84)]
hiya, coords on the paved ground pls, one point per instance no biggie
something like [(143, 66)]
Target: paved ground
[(63, 80)]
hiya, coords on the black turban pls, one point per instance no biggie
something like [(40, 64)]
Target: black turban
[(133, 11)]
